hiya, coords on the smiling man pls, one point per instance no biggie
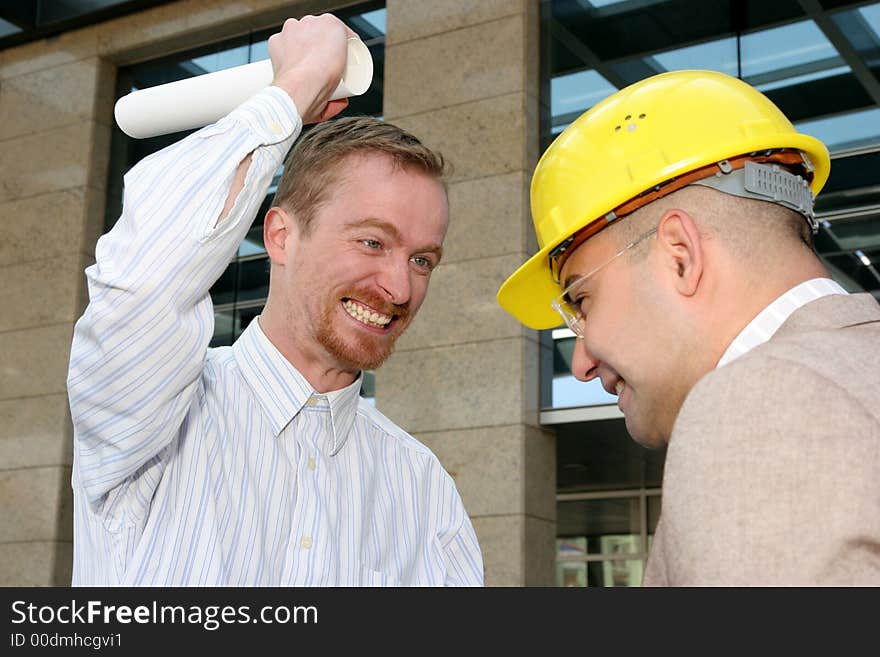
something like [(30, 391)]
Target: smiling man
[(675, 220), (258, 464), (356, 229)]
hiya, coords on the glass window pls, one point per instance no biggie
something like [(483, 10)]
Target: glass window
[(230, 320), (849, 131), (566, 390), (820, 66), (570, 93), (596, 519), (599, 455), (7, 28), (792, 54), (850, 249), (862, 29), (603, 538), (820, 63), (27, 20)]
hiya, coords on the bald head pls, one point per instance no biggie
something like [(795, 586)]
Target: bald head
[(660, 318), (762, 237)]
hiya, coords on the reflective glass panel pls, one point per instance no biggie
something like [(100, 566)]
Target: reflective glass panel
[(846, 132), (716, 55), (821, 67), (7, 28), (571, 93), (253, 282), (595, 519), (787, 55), (567, 391), (850, 249), (862, 29), (223, 290)]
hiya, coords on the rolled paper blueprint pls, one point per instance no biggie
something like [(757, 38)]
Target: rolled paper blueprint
[(196, 102)]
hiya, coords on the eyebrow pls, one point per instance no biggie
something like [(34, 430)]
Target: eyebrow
[(376, 223), (391, 229), (571, 280)]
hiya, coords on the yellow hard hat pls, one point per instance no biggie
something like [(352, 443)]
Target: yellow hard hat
[(644, 136)]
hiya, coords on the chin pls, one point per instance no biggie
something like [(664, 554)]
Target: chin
[(646, 434), (356, 354)]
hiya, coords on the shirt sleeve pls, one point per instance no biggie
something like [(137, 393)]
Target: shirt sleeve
[(464, 561), (139, 349), (461, 554)]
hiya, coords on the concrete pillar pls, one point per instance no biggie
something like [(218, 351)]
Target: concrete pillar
[(54, 142), (464, 77)]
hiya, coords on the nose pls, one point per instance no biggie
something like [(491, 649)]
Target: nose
[(395, 280), (584, 366)]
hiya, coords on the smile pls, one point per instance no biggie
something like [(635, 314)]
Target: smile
[(365, 314)]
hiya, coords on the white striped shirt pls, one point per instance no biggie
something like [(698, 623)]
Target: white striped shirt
[(197, 466), (768, 321)]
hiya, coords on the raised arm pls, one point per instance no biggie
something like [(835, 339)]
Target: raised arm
[(139, 349)]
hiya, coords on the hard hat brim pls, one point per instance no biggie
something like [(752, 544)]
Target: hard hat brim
[(528, 292)]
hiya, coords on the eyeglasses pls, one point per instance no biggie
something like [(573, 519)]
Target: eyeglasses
[(570, 310)]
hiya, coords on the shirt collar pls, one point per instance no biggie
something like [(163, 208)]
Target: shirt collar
[(768, 321), (282, 391)]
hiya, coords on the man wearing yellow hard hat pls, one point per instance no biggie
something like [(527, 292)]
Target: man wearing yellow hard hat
[(675, 223)]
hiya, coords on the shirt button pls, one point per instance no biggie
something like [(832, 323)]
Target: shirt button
[(306, 542), (311, 463)]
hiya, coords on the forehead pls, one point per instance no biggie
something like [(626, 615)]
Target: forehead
[(586, 257), (371, 186)]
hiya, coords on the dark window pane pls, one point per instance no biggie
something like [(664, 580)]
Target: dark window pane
[(600, 455), (253, 242), (615, 573), (368, 385), (223, 328), (854, 182), (654, 506), (627, 29), (597, 519), (223, 291), (253, 281), (245, 316)]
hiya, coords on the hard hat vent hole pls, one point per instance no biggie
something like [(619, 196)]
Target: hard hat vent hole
[(627, 117), (643, 116), (617, 128)]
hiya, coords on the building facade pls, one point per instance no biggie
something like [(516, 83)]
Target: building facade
[(557, 491)]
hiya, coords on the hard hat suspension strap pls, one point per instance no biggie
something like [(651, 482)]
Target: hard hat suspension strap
[(766, 183)]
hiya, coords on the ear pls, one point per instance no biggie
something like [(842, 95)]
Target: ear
[(682, 249), (276, 229)]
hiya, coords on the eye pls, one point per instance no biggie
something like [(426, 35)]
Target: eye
[(422, 262), (579, 299), (371, 243)]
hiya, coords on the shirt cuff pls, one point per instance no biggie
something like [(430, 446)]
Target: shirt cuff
[(271, 115)]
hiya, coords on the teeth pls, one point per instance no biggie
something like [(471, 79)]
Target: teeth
[(366, 315), (618, 387)]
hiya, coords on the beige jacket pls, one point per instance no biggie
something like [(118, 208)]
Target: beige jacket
[(772, 473)]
